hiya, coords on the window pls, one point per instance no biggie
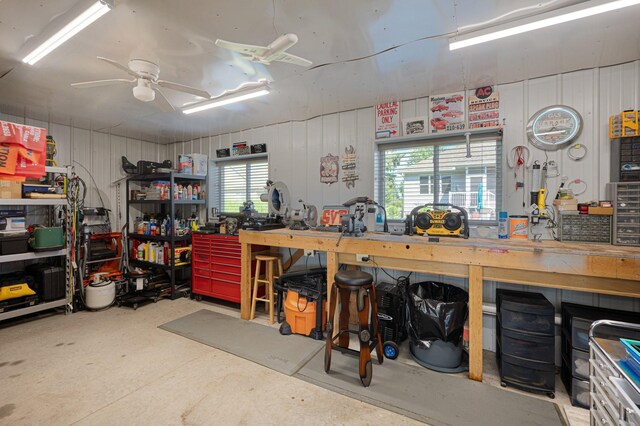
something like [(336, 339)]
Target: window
[(240, 181), (426, 185), (417, 173)]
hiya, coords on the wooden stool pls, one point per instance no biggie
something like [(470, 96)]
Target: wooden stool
[(268, 280), (362, 283)]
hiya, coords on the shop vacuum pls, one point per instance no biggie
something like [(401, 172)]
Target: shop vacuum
[(437, 313), (303, 290)]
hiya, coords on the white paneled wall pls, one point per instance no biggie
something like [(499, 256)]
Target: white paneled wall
[(296, 147), (96, 156)]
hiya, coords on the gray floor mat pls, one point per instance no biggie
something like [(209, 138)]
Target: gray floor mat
[(430, 397), (254, 342)]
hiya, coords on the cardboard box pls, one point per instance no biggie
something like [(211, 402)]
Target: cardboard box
[(10, 189), (607, 211), (567, 202)]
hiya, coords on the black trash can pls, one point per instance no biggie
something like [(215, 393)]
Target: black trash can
[(437, 313)]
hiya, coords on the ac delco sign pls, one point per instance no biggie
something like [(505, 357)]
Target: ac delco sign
[(484, 92)]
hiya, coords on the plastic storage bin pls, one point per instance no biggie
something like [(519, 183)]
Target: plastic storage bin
[(49, 281), (529, 312), (578, 389), (14, 243), (527, 374), (529, 346)]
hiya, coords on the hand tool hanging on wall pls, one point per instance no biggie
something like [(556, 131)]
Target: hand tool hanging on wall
[(578, 182), (519, 160), (577, 152), (535, 182)]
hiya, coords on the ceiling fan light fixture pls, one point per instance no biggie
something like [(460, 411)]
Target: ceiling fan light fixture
[(86, 18), (252, 90), (572, 13), (143, 91)]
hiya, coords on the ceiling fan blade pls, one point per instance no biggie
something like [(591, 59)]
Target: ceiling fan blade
[(183, 88), (162, 102), (120, 66), (97, 83)]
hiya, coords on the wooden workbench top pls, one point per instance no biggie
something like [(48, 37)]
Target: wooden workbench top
[(499, 245)]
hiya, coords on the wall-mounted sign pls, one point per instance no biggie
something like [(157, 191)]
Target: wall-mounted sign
[(415, 126), (447, 112), (223, 153), (240, 148), (258, 148), (484, 108), (349, 173), (553, 127), (387, 120), (332, 215), (329, 169)]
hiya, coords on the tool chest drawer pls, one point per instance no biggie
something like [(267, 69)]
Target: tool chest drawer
[(217, 266)]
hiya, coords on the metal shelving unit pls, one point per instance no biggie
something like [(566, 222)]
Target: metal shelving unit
[(33, 202), (14, 313), (167, 207)]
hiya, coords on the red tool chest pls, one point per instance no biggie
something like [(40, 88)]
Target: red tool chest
[(215, 265)]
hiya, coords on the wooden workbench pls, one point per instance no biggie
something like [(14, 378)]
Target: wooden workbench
[(568, 266)]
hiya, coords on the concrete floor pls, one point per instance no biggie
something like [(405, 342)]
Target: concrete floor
[(117, 367)]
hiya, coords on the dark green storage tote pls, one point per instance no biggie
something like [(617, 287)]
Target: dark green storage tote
[(45, 239)]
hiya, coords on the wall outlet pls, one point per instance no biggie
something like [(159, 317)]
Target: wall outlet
[(309, 253), (362, 257)]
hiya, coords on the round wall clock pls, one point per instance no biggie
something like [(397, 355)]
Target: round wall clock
[(553, 127)]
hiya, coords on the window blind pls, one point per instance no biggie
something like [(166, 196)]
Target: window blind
[(240, 181), (418, 173)]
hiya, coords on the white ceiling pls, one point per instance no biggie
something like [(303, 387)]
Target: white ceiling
[(180, 35)]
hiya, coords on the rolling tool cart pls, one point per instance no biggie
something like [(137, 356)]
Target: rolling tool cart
[(614, 373)]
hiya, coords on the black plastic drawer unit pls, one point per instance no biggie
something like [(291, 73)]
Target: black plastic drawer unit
[(526, 341), (523, 311)]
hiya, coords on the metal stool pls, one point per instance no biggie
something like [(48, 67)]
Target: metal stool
[(362, 283), (268, 281)]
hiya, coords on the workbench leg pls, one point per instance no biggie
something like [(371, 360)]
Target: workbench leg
[(245, 281), (475, 322), (332, 269)]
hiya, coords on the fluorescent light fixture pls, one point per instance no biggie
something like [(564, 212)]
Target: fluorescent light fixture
[(543, 23), (85, 19), (242, 93)]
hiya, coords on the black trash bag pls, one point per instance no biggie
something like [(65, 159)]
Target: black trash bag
[(437, 311)]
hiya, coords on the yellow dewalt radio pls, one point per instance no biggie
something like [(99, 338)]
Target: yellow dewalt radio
[(432, 220)]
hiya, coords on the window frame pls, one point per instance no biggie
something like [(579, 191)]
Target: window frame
[(435, 140), (217, 171)]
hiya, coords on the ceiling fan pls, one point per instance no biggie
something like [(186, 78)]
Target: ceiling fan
[(147, 85)]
